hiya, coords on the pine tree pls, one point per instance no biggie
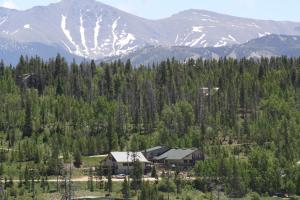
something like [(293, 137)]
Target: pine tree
[(126, 189), (1, 68), (91, 181), (1, 168), (128, 67), (109, 185), (153, 172), (93, 68), (236, 185), (26, 177), (77, 158), (178, 182), (27, 128), (59, 88), (137, 174)]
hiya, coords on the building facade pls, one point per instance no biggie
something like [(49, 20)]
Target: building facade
[(122, 162), (180, 158)]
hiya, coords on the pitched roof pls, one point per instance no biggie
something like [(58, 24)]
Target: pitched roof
[(155, 148), (175, 154), (125, 157)]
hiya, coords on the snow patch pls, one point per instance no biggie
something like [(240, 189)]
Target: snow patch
[(27, 26), (3, 21), (187, 36), (198, 29), (154, 41), (225, 40), (232, 38), (126, 40), (282, 38), (221, 43), (69, 49), (236, 26), (196, 41), (113, 31), (82, 35), (68, 35), (176, 40), (16, 31), (210, 20), (263, 34), (253, 25), (96, 32), (203, 42), (125, 51)]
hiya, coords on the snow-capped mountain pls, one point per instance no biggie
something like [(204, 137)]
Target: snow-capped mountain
[(267, 46), (90, 29)]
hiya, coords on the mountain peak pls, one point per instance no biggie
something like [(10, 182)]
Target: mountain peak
[(91, 29), (79, 2), (190, 12)]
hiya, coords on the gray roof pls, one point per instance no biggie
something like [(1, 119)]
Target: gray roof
[(155, 148), (124, 157), (175, 154)]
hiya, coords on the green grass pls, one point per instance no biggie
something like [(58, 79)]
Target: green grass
[(91, 161), (13, 169), (80, 189)]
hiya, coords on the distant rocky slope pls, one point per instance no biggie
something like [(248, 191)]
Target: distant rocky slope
[(90, 29)]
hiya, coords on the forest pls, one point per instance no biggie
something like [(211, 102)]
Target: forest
[(243, 114)]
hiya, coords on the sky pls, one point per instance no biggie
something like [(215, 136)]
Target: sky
[(287, 10)]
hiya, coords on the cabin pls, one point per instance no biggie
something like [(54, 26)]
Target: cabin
[(122, 162), (179, 158), (155, 151)]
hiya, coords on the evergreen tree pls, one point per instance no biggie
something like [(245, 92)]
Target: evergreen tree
[(27, 128), (1, 68), (77, 158), (236, 187), (126, 189), (91, 181), (137, 174), (153, 172), (109, 184), (178, 182)]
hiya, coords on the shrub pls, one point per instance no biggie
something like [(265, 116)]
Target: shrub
[(166, 186), (201, 185), (254, 196)]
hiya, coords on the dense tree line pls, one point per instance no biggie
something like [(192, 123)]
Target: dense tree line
[(244, 114)]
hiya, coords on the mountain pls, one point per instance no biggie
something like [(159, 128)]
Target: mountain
[(83, 28), (10, 51), (271, 45), (267, 46), (90, 29)]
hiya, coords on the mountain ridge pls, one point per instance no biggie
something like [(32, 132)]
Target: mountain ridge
[(94, 30), (267, 46)]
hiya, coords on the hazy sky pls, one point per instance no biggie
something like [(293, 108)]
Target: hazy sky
[(155, 9)]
